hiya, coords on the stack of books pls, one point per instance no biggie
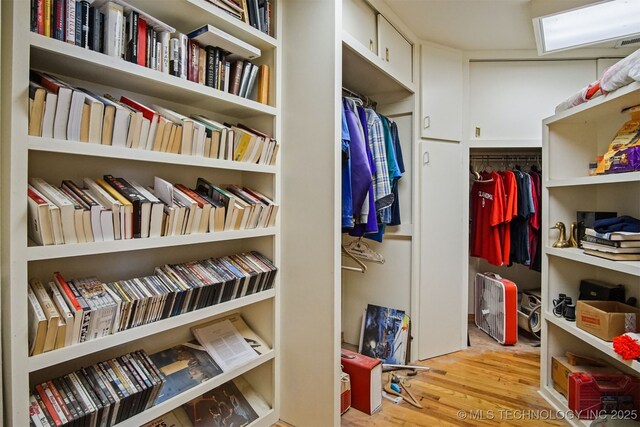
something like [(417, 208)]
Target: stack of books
[(66, 312), (60, 110), (106, 393), (617, 246)]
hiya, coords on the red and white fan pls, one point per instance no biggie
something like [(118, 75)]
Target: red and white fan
[(497, 307)]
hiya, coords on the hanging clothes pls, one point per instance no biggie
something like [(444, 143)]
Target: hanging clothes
[(372, 165), (510, 212), (487, 213), (395, 207), (520, 224), (360, 171), (347, 195), (381, 182)]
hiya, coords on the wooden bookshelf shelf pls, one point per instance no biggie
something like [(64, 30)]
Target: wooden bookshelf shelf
[(93, 150), (36, 253)]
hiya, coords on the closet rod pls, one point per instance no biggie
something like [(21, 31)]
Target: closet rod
[(367, 101), (505, 157)]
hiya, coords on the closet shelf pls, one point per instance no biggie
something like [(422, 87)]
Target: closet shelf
[(58, 57), (65, 354), (611, 103), (37, 253), (84, 149), (168, 405), (601, 345), (574, 254), (194, 13), (594, 180), (363, 70)]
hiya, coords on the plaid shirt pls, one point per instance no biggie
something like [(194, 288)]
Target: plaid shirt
[(381, 182)]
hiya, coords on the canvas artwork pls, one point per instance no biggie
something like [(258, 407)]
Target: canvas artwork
[(383, 335), (223, 406)]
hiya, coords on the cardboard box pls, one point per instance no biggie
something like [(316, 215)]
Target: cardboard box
[(607, 319), (560, 370)]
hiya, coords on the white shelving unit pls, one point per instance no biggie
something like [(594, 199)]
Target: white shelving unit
[(571, 140), (23, 157)]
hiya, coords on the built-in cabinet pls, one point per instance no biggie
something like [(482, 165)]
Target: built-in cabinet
[(572, 139), (360, 20), (441, 88), (395, 50)]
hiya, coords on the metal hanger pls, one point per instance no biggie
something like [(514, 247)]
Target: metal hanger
[(361, 250), (362, 267)]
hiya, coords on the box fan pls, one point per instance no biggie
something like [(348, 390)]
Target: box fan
[(497, 307)]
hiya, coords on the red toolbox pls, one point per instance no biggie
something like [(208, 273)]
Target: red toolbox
[(591, 395)]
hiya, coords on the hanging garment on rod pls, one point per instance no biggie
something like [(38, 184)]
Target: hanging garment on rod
[(509, 232), (367, 133)]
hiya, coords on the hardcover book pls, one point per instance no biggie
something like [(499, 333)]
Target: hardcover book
[(234, 403), (184, 366)]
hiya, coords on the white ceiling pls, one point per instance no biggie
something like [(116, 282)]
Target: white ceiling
[(478, 24)]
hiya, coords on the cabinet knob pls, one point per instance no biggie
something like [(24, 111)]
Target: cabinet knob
[(371, 45), (387, 53), (427, 122), (425, 158)]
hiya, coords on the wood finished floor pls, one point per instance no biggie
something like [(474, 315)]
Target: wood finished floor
[(485, 377)]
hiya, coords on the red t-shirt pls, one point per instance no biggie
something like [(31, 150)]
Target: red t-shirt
[(487, 212), (510, 211)]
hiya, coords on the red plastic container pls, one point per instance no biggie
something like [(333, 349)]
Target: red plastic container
[(591, 395)]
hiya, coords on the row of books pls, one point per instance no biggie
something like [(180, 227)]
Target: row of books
[(206, 55), (103, 394), (120, 209), (616, 246), (66, 312), (256, 13), (62, 111)]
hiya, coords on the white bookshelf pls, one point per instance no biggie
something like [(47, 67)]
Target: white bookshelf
[(93, 150), (571, 139), (23, 156)]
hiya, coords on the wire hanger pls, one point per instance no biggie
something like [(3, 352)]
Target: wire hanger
[(361, 250), (362, 267)]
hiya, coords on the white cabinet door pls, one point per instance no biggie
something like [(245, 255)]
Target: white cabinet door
[(441, 93), (359, 20), (395, 50), (508, 100), (442, 320)]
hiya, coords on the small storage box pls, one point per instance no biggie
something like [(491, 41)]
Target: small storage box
[(561, 369), (591, 395), (607, 319)]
